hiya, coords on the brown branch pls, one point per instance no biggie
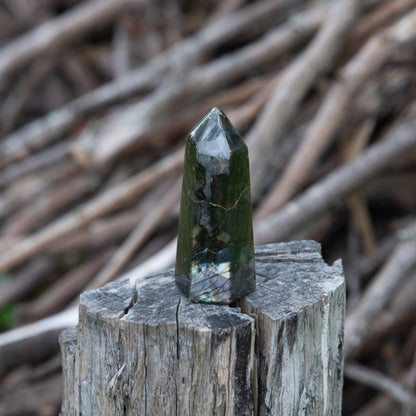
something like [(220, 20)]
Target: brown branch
[(359, 211), (294, 84), (246, 113), (381, 17), (411, 382), (121, 51), (30, 278), (46, 207), (41, 132), (34, 342), (177, 123), (107, 231), (97, 207), (161, 260), (100, 233), (137, 237), (21, 93), (365, 267), (338, 184), (15, 344), (64, 290), (236, 96), (376, 297), (225, 7), (333, 111), (383, 404), (54, 34), (401, 312), (38, 398), (30, 375), (78, 73), (379, 381), (356, 201), (39, 160), (122, 130), (24, 190)]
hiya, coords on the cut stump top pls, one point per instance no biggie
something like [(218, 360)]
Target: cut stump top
[(143, 348), (289, 278)]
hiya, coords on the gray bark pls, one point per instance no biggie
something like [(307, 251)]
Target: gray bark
[(299, 305), (148, 350)]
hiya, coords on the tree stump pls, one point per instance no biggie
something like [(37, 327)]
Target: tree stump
[(148, 350)]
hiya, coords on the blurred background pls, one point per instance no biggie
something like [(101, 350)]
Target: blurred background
[(97, 97)]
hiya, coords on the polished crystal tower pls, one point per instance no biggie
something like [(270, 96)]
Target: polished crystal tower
[(215, 253)]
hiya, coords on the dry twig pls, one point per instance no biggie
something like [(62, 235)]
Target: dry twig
[(377, 296), (27, 280), (320, 196), (333, 111), (137, 237), (64, 290), (381, 382), (294, 84), (54, 34), (39, 160), (137, 119), (49, 128), (96, 208), (356, 201), (53, 202), (181, 62)]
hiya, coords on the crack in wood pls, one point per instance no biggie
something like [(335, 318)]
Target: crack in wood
[(192, 357), (178, 354), (259, 253), (287, 260), (268, 278)]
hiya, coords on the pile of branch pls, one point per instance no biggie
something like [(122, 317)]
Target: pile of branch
[(96, 99)]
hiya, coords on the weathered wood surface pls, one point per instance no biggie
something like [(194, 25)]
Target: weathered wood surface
[(299, 305), (148, 350)]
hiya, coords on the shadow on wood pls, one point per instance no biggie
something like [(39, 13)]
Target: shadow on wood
[(148, 350)]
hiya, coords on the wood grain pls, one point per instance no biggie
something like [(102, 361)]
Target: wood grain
[(148, 350)]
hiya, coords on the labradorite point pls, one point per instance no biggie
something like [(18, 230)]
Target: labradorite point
[(215, 252)]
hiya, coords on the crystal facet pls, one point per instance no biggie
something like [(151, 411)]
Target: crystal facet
[(215, 253)]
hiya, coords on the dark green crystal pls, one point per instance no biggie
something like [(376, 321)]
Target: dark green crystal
[(215, 253)]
